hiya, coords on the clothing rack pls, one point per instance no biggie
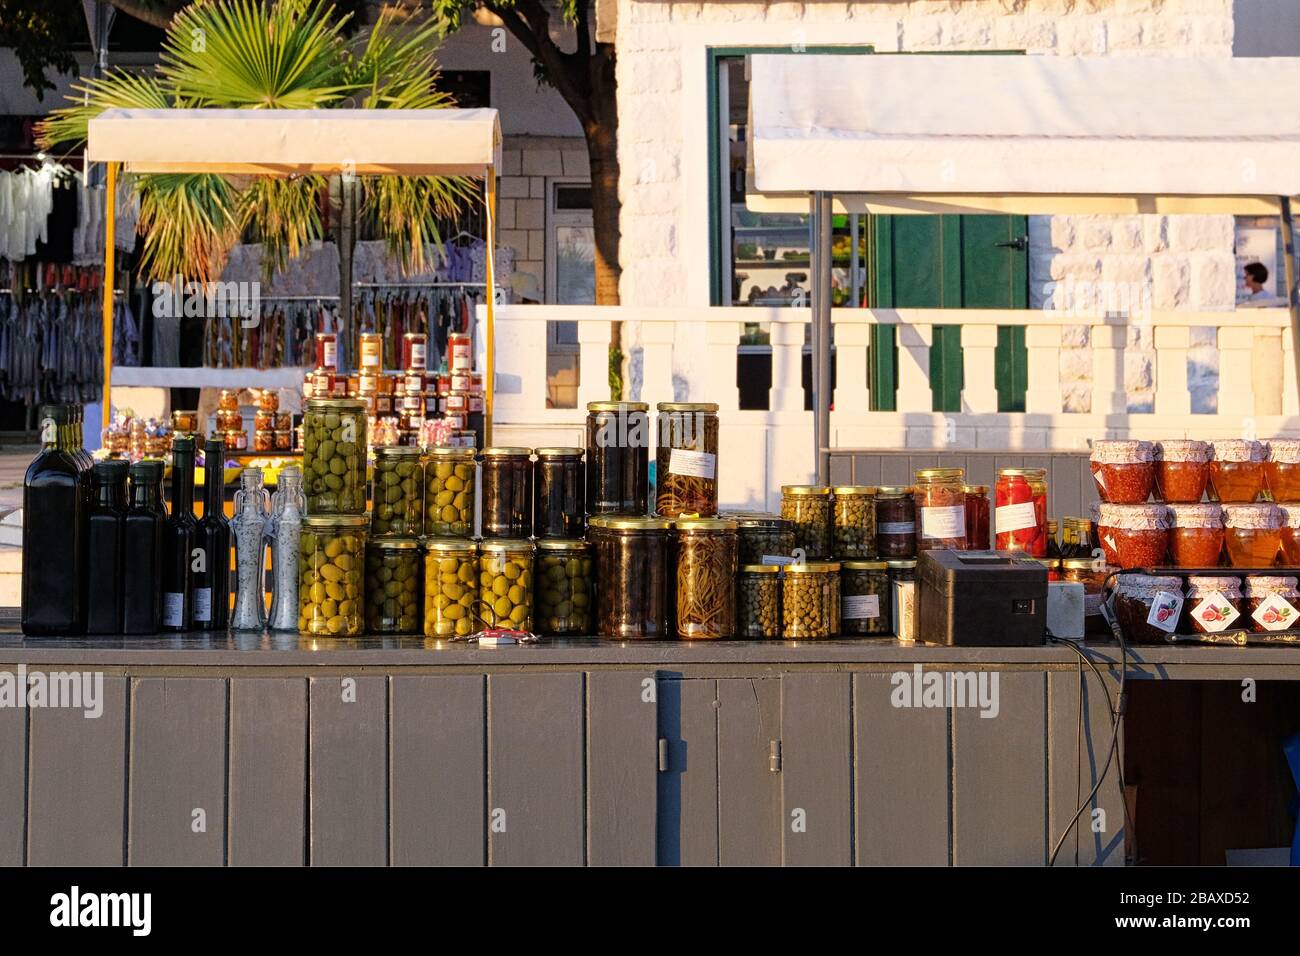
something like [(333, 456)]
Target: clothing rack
[(419, 285)]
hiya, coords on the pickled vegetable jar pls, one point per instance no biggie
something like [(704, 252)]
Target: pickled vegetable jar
[(1289, 514), (758, 602), (686, 459), (902, 594), (864, 599), (450, 587), (1237, 470), (449, 492), (1253, 534), (507, 484), (1282, 469), (334, 456), (1182, 470), (1123, 470), (1272, 603), (1135, 536), (761, 535), (1147, 607), (393, 586), (559, 494), (1092, 575), (810, 600), (854, 522), (977, 517), (618, 458), (895, 522), (563, 602), (706, 578), (505, 575), (1020, 516), (1213, 605), (331, 575), (398, 508), (808, 507), (1196, 537), (940, 509), (632, 577)]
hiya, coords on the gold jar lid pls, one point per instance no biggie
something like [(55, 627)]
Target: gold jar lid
[(696, 523), (813, 567), (760, 568), (629, 523), (562, 544), (759, 520), (940, 474), (559, 452), (901, 564), (617, 406), (1035, 473), (336, 521), (502, 451), (1049, 563), (710, 407), (339, 404), (821, 491), (864, 565), (975, 489), (506, 544), (1079, 564), (396, 544), (397, 451), (449, 451), (457, 545), (893, 491), (841, 491)]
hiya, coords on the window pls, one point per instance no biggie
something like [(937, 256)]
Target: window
[(570, 280)]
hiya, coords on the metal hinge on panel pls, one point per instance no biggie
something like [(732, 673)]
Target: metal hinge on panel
[(774, 756), (663, 754)]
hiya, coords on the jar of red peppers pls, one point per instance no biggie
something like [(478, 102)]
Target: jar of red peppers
[(1148, 607), (1272, 603), (1214, 605), (941, 509), (1135, 536), (1237, 470), (895, 522), (1182, 470), (1196, 538), (1124, 470), (1289, 512), (1253, 534), (977, 517), (1282, 469), (1020, 518)]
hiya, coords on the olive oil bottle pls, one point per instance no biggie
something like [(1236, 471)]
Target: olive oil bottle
[(141, 585), (105, 557), (211, 565), (54, 531), (178, 542)]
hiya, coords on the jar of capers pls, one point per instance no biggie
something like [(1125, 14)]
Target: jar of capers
[(449, 492), (398, 506), (864, 599), (758, 602), (564, 592), (505, 593), (450, 587), (761, 535), (334, 456), (810, 600), (809, 508), (393, 586), (331, 572), (706, 578), (855, 522)]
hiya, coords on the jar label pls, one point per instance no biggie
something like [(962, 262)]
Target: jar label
[(173, 609), (1214, 613), (203, 604), (1018, 517), (896, 527), (1098, 477), (370, 356), (860, 607), (418, 356), (777, 559), (1092, 604), (1164, 611), (943, 522), (694, 464), (329, 355), (1275, 613)]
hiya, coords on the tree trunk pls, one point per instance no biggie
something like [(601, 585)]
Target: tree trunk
[(601, 132)]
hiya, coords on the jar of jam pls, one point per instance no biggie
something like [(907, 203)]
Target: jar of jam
[(977, 517), (1182, 470), (1272, 603), (895, 522), (327, 351), (864, 599), (1020, 517), (1123, 470), (763, 538), (267, 399), (1196, 536), (808, 507), (228, 400), (263, 440), (1135, 536), (415, 352), (1289, 513), (1237, 470), (1092, 575), (1253, 534), (855, 522), (1147, 607), (940, 509), (229, 419), (1214, 605), (1282, 469), (461, 351)]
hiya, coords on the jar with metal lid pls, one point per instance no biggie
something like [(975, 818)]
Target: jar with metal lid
[(1196, 535), (1147, 607), (563, 602), (686, 459), (228, 400), (398, 505), (393, 586), (185, 422), (706, 578), (559, 489), (854, 527), (1053, 567), (810, 600), (331, 575), (460, 351), (507, 492), (327, 351), (1020, 517), (808, 507), (415, 352), (450, 587), (895, 522), (758, 602), (449, 491), (1282, 469), (1092, 575), (977, 517), (1182, 470), (940, 509), (505, 574), (864, 599), (1252, 534), (334, 456), (762, 537), (1135, 536), (902, 592), (618, 458), (229, 419), (1273, 603), (633, 563), (1123, 470), (1289, 515), (1237, 470), (1214, 605)]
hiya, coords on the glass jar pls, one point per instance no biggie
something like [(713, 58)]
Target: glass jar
[(334, 456), (559, 487), (760, 536), (902, 593), (393, 586), (1196, 536), (1237, 470), (758, 602), (287, 507), (706, 579), (686, 459), (450, 587), (327, 350), (415, 352), (1272, 602), (632, 577), (1092, 575), (618, 458), (228, 400), (507, 492), (895, 522), (371, 351), (1123, 470), (1252, 535), (1182, 470), (1020, 518), (1135, 536), (977, 517), (505, 575), (449, 492), (810, 600), (1282, 469), (331, 575), (940, 509), (1289, 515), (1147, 607), (398, 506), (248, 528), (1213, 605), (563, 600), (808, 507), (854, 528), (864, 599)]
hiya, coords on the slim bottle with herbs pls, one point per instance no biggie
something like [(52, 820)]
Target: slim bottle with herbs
[(212, 575), (54, 532), (105, 564), (179, 541), (249, 526), (142, 542), (287, 508)]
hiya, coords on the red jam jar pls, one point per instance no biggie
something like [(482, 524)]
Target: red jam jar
[(1290, 515), (1214, 605), (1272, 602), (1196, 536), (977, 517), (1253, 534), (1148, 607), (1182, 470), (1135, 536), (1282, 469), (1124, 470), (1237, 470)]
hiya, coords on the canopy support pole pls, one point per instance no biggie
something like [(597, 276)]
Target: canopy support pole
[(820, 263), (490, 375), (347, 248), (110, 240), (1292, 292)]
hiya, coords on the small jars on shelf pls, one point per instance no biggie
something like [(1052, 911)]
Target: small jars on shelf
[(559, 492), (1213, 605), (758, 602), (977, 517), (618, 458), (1135, 536), (686, 459), (1148, 607), (1252, 534), (563, 602), (1272, 603), (633, 568), (895, 522), (393, 586), (397, 509), (1092, 575), (334, 456), (864, 599), (854, 531), (1289, 516), (449, 492), (450, 587), (1182, 470), (808, 507), (1123, 470), (331, 575), (1020, 517), (1196, 535), (810, 600), (706, 579), (1237, 470), (505, 573), (761, 536), (507, 488), (1282, 469), (940, 509)]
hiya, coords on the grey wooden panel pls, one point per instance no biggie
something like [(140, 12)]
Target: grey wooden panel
[(77, 783), (687, 805), (952, 460), (1074, 770), (268, 771), (816, 770), (866, 469), (438, 747), (980, 470), (535, 784), (348, 761), (841, 470), (901, 778), (1065, 491), (895, 470), (915, 462), (622, 764), (13, 785), (749, 793), (1000, 775)]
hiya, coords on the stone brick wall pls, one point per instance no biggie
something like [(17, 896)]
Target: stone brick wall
[(529, 164)]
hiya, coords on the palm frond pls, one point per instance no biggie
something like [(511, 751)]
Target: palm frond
[(67, 125), (408, 209), (189, 224), (286, 215)]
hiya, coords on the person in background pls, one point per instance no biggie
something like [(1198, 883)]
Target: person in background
[(1254, 277)]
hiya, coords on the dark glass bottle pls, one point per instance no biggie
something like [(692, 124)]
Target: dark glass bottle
[(178, 542), (212, 575), (54, 532), (104, 549), (141, 585)]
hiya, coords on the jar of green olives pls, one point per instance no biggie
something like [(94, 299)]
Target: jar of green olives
[(758, 602), (507, 492), (854, 532), (761, 535), (331, 575), (810, 600), (706, 578), (564, 587), (864, 599), (393, 586), (449, 492), (505, 575), (809, 508), (398, 497), (334, 456), (450, 587)]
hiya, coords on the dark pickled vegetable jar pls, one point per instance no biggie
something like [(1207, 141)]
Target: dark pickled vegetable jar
[(706, 579), (758, 602), (940, 509), (633, 561), (393, 586), (559, 491), (864, 599), (686, 459), (618, 458), (854, 532), (507, 483), (762, 536), (808, 507), (563, 576), (398, 496), (895, 523), (977, 517), (810, 600)]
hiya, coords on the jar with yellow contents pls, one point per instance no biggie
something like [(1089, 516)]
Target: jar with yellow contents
[(506, 584), (449, 492), (331, 575), (450, 587)]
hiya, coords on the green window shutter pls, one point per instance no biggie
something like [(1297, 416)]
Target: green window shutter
[(1011, 371)]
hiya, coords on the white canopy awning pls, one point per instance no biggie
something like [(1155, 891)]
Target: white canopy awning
[(1029, 134), (446, 142)]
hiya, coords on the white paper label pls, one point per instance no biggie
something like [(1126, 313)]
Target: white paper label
[(943, 522), (173, 609), (418, 356), (203, 604), (695, 464), (1214, 614), (1165, 610), (331, 354), (1275, 613), (1097, 477), (370, 358), (1007, 518), (896, 527), (778, 559), (859, 607)]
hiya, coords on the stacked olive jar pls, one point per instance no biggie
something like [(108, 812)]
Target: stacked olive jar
[(451, 554)]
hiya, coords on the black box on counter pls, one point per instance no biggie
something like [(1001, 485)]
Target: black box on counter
[(980, 599)]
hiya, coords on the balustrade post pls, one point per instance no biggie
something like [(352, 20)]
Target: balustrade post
[(1172, 396), (787, 340), (852, 339), (914, 392), (979, 394), (593, 361), (1236, 389), (1043, 383)]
